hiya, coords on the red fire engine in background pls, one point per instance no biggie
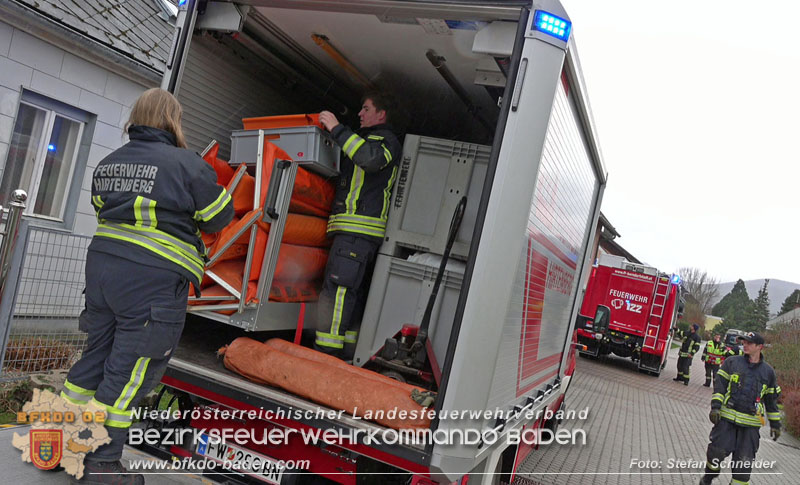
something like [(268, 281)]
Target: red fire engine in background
[(629, 309)]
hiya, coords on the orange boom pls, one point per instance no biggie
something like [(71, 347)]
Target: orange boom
[(348, 391)]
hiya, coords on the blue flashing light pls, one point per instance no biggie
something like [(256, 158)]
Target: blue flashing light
[(552, 25), (51, 148), (181, 3), (676, 279)]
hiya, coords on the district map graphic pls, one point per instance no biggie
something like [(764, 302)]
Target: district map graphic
[(61, 433)]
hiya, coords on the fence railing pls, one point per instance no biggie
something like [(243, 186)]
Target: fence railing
[(41, 302)]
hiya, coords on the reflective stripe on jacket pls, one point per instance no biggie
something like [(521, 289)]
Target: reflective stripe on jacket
[(152, 199), (715, 354), (744, 392), (691, 345)]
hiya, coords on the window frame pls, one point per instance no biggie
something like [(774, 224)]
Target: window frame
[(86, 122)]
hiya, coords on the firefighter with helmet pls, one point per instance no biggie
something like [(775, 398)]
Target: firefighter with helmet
[(713, 356), (691, 345), (745, 389)]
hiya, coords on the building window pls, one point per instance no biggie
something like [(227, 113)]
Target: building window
[(43, 155)]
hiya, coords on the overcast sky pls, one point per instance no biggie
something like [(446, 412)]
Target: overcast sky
[(697, 106)]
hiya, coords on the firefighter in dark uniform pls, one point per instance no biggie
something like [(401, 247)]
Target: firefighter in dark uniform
[(713, 356), (357, 222), (745, 390), (151, 197), (691, 345)]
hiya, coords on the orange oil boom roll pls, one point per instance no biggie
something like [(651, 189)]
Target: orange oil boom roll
[(312, 194), (331, 361), (323, 384), (223, 169)]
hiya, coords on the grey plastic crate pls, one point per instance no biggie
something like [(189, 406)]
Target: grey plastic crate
[(398, 295), (433, 176), (311, 147)]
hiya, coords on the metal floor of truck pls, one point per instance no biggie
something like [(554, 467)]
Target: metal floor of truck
[(636, 416)]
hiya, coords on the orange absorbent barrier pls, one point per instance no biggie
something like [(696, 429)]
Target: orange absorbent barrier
[(297, 265), (302, 253), (312, 194), (224, 171), (331, 361), (333, 386)]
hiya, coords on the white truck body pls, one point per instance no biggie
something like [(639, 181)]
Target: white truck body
[(511, 337)]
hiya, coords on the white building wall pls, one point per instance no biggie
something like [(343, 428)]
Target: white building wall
[(30, 63)]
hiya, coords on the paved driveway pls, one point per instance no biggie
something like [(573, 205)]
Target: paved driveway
[(633, 416)]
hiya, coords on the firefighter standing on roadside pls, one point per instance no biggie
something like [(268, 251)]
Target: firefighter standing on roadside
[(691, 345), (745, 389), (713, 356), (357, 222), (152, 197)]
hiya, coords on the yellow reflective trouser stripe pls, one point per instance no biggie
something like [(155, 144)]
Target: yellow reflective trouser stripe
[(328, 340), (774, 416), (116, 418), (338, 308), (356, 228), (350, 336), (387, 194), (374, 222), (717, 397), (356, 182), (76, 394), (740, 418), (712, 467), (213, 208), (134, 383), (144, 210), (738, 482), (160, 246)]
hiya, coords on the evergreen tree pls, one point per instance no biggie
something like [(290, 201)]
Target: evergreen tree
[(736, 297), (790, 303), (760, 309), (736, 309)]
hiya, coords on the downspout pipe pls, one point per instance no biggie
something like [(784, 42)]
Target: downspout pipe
[(439, 63), (40, 26)]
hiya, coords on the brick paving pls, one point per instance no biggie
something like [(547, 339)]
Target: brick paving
[(636, 416)]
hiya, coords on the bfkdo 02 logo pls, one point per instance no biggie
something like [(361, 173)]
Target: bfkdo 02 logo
[(46, 447)]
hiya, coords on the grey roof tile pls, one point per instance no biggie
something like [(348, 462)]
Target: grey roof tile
[(131, 27)]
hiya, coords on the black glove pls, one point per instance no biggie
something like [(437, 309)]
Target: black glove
[(774, 433), (714, 416), (703, 358)]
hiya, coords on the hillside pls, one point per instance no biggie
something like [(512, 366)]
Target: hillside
[(778, 291)]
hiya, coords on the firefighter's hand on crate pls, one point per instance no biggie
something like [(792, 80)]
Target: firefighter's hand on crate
[(328, 120), (714, 416), (774, 433)]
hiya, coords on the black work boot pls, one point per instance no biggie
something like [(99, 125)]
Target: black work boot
[(678, 379), (706, 480), (707, 384), (686, 382), (107, 473)]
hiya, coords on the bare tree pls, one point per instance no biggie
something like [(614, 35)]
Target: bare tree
[(701, 286)]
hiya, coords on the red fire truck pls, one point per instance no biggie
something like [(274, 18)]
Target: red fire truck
[(629, 309)]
